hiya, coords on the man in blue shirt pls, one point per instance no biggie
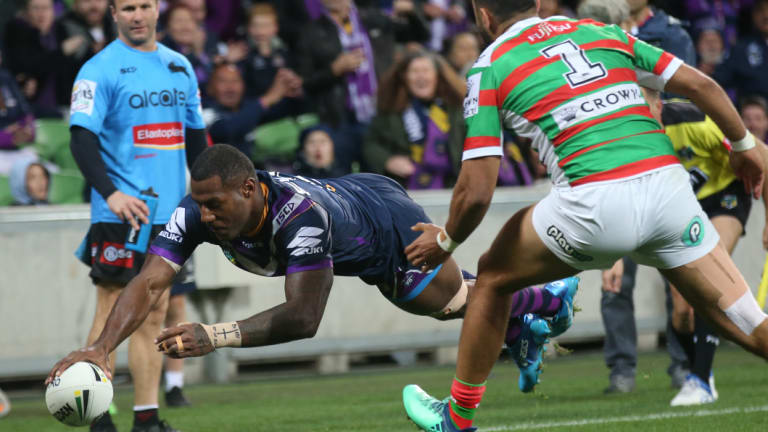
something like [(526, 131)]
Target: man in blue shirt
[(135, 122), (309, 230)]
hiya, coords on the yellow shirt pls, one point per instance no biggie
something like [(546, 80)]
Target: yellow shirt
[(700, 145)]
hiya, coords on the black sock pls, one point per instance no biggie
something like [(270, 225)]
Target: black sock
[(104, 420), (686, 342), (144, 417), (706, 343)]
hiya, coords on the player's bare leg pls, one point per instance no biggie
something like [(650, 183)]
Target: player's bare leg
[(144, 360), (517, 258), (106, 296), (718, 292)]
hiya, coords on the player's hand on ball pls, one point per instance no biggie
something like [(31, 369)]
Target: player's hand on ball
[(424, 251), (184, 340), (749, 166), (92, 354)]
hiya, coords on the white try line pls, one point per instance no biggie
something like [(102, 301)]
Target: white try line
[(627, 419)]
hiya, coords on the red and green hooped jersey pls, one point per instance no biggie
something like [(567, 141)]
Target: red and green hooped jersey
[(572, 87)]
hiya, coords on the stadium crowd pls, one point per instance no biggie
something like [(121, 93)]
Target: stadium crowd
[(380, 80)]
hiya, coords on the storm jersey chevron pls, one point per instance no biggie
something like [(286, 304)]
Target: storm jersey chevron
[(572, 87)]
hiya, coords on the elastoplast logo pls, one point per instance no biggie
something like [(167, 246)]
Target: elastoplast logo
[(164, 98), (559, 238), (163, 136), (694, 232)]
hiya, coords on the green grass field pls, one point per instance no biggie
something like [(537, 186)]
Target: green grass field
[(569, 398)]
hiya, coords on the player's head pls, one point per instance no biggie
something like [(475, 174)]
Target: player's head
[(225, 186), (754, 112), (136, 21), (653, 97), (490, 15)]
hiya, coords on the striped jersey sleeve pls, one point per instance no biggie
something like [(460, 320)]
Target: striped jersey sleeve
[(655, 67), (481, 113)]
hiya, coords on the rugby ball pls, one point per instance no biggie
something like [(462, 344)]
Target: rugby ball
[(80, 395)]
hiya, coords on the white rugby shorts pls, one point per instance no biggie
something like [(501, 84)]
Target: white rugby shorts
[(653, 218)]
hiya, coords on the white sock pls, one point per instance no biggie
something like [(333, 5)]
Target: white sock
[(173, 379), (144, 407)]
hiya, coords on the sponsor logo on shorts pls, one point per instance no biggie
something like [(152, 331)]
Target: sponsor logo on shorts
[(729, 202), (694, 232), (164, 136), (306, 242), (83, 95), (559, 238), (115, 254)]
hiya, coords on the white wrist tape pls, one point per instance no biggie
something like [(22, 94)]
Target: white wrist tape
[(745, 313), (743, 144), (448, 244), (224, 334)]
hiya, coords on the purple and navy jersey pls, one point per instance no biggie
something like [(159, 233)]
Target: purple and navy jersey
[(341, 223), (139, 105)]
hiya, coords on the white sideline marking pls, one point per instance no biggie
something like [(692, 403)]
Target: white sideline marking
[(627, 419)]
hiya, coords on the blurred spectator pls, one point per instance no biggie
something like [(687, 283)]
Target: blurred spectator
[(231, 117), (606, 11), (30, 182), (754, 111), (723, 13), (224, 17), (514, 170), (293, 16), (185, 36), (89, 24), (266, 53), (418, 134), (315, 156), (448, 18), (710, 47), (550, 8), (17, 123), (340, 56), (655, 27), (461, 52), (745, 69), (33, 55)]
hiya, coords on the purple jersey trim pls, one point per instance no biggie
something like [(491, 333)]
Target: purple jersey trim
[(155, 250), (326, 263)]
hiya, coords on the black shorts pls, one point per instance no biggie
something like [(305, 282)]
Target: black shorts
[(112, 263), (731, 201)]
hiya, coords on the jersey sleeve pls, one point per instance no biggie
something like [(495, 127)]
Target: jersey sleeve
[(481, 112), (305, 241), (654, 66), (194, 114), (91, 94), (181, 235)]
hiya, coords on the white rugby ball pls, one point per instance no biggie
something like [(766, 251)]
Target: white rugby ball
[(80, 395)]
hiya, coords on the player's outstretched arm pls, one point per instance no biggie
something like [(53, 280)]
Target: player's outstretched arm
[(306, 294), (746, 160), (130, 310), (471, 199)]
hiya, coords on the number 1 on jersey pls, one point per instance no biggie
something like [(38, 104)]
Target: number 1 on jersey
[(582, 70)]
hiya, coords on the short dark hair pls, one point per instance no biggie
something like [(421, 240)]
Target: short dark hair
[(754, 100), (503, 9), (224, 161)]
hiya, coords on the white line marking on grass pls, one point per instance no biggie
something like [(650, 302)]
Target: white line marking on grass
[(627, 419)]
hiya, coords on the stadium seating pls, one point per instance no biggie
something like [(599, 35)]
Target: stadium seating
[(67, 187), (5, 192), (279, 140)]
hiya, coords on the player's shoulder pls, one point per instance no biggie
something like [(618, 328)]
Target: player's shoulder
[(173, 57), (105, 63), (678, 112)]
